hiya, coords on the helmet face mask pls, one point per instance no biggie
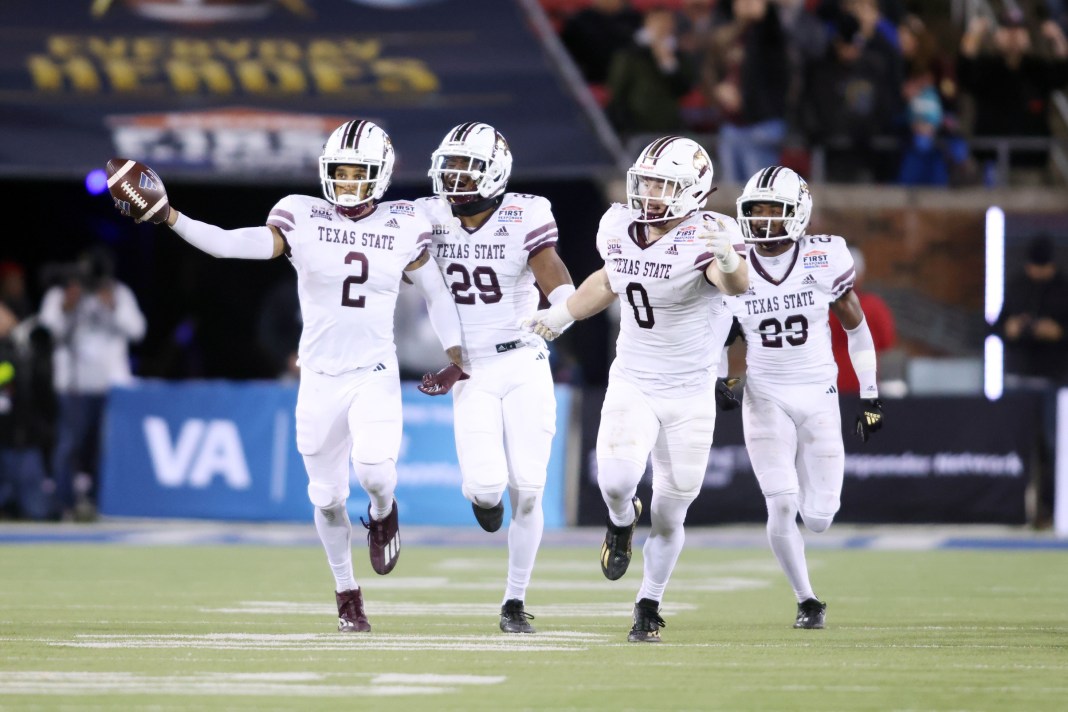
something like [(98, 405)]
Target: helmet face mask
[(775, 206), (366, 152), (472, 163), (671, 179)]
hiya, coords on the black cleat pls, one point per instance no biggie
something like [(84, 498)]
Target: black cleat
[(810, 613), (383, 540), (514, 618), (350, 615), (647, 622), (615, 551), (489, 518)]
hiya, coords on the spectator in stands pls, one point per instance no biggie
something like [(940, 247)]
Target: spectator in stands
[(13, 289), (1034, 320), (93, 318), (596, 33), (852, 96), (1011, 83), (1034, 325), (646, 80), (747, 77), (880, 322), (27, 416)]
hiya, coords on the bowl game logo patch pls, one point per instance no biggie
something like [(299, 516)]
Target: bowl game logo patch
[(510, 214), (816, 259)]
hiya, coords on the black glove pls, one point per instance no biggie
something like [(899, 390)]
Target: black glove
[(870, 418), (725, 398), (440, 383)]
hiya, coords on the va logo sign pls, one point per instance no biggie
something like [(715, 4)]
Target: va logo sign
[(202, 451)]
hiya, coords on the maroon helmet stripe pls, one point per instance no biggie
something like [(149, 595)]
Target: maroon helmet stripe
[(352, 136), (461, 131)]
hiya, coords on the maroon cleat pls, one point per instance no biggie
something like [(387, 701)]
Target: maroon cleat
[(383, 540), (350, 615)]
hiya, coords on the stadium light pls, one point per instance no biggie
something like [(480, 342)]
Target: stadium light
[(993, 349), (96, 181)]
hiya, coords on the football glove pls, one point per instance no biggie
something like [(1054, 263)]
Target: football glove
[(440, 383), (725, 398), (719, 242), (870, 418)]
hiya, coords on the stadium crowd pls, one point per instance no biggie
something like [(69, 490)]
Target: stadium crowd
[(886, 91)]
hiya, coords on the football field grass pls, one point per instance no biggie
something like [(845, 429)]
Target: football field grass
[(91, 626)]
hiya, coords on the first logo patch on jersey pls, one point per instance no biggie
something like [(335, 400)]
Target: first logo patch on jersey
[(402, 209), (685, 234), (510, 214), (817, 259)]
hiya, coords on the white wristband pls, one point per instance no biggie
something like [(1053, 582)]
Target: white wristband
[(729, 263), (561, 293)]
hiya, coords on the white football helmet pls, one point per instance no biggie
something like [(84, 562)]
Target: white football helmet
[(472, 163), (357, 143), (671, 179), (775, 184)]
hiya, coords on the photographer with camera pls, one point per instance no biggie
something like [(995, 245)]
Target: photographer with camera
[(93, 318)]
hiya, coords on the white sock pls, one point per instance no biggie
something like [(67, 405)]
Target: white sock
[(663, 545), (524, 538), (787, 543), (335, 531)]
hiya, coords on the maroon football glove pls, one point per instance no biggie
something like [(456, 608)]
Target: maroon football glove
[(440, 383)]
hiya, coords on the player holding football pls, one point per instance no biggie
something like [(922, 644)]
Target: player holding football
[(492, 247), (790, 411), (350, 252), (669, 263)]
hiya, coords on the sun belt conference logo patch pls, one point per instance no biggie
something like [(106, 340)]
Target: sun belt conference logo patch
[(614, 248)]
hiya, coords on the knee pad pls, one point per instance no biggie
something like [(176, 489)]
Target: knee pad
[(326, 496), (819, 512), (525, 503), (618, 479), (376, 478), (816, 523), (485, 500), (782, 513)]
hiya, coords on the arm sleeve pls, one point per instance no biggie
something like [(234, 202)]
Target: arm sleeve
[(442, 309), (247, 243), (862, 356)]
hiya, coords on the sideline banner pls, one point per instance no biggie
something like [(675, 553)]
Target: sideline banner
[(938, 460), (227, 450)]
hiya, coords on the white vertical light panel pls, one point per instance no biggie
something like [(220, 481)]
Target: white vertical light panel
[(993, 370), (1060, 487)]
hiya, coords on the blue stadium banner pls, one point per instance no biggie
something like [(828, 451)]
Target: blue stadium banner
[(248, 90), (227, 450)]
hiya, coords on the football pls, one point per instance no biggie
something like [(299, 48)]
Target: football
[(137, 190)]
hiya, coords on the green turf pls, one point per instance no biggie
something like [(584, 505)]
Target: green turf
[(122, 627)]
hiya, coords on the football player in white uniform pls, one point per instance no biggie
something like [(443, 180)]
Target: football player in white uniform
[(495, 250), (790, 411), (350, 252), (669, 263)]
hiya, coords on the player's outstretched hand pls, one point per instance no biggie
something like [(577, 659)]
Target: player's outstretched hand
[(725, 398), (870, 418), (440, 383)]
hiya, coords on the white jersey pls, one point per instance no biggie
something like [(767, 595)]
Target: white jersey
[(348, 275), (488, 271), (673, 321), (787, 336)]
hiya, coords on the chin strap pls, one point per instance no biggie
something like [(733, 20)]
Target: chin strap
[(475, 207)]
